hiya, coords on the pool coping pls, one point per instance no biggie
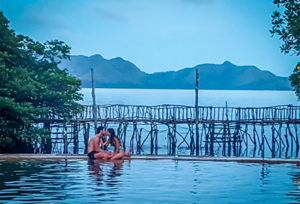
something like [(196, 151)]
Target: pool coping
[(151, 157)]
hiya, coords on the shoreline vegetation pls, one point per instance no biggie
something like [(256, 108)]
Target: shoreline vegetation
[(33, 90)]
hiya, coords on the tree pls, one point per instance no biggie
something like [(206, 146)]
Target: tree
[(33, 90), (286, 24), (295, 80)]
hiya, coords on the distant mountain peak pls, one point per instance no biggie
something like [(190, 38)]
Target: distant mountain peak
[(97, 56), (227, 63), (117, 59)]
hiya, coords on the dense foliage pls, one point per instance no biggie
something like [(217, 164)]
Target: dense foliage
[(33, 90), (295, 80), (286, 24)]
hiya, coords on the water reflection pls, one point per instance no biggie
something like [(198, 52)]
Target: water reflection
[(99, 169), (155, 181), (294, 193), (264, 174), (35, 181), (11, 171), (105, 176)]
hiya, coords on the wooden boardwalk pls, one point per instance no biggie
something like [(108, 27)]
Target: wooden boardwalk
[(229, 131)]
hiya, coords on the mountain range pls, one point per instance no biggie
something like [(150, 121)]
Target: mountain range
[(120, 73)]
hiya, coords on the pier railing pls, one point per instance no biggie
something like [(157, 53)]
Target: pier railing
[(186, 114)]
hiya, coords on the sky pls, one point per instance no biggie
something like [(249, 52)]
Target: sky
[(157, 35)]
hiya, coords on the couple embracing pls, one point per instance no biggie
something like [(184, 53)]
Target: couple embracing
[(97, 147)]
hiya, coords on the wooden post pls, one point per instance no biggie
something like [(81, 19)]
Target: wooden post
[(263, 140), (156, 139), (235, 135), (94, 101), (76, 141), (134, 133), (212, 138), (169, 139), (224, 139), (65, 138), (280, 139), (206, 138), (86, 128), (273, 141), (139, 141), (174, 140), (229, 139), (297, 140), (192, 142), (197, 112), (124, 136), (152, 139), (47, 143)]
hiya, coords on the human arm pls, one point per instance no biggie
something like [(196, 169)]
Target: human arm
[(117, 146), (106, 142)]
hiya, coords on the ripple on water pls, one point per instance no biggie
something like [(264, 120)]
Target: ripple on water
[(147, 181)]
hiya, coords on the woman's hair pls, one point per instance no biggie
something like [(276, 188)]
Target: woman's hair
[(112, 136)]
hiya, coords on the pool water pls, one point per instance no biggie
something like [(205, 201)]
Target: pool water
[(147, 181)]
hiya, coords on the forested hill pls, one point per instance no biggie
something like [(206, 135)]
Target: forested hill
[(120, 73)]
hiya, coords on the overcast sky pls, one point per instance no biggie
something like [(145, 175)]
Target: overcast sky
[(157, 35)]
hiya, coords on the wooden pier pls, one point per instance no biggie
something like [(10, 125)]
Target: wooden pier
[(193, 130)]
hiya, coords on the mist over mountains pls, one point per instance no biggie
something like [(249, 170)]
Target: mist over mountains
[(120, 73)]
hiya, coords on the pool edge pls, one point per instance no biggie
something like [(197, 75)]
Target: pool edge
[(151, 157)]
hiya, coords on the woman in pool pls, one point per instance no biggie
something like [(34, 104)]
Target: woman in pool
[(115, 142)]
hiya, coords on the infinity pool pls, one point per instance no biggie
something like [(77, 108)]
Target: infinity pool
[(144, 181)]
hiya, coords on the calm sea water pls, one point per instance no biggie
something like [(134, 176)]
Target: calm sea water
[(234, 98), (141, 181)]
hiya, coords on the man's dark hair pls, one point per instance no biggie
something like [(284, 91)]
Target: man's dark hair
[(99, 129)]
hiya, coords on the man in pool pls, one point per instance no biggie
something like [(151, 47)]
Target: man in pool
[(94, 151)]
